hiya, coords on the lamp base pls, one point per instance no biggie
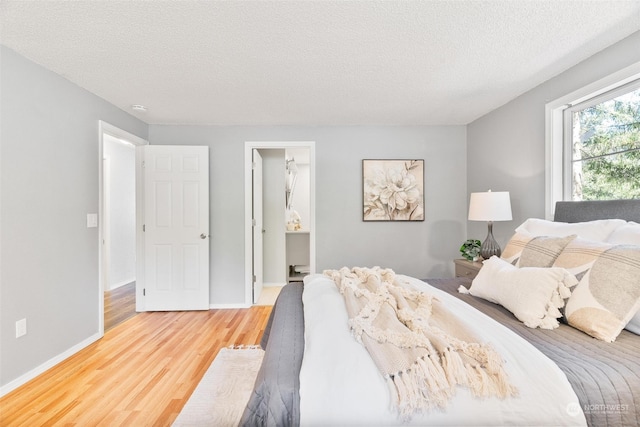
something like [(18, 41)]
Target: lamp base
[(490, 247)]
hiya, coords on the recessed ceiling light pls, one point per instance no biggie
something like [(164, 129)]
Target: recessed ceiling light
[(138, 107)]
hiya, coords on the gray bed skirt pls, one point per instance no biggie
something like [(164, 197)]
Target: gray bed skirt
[(275, 400), (605, 377)]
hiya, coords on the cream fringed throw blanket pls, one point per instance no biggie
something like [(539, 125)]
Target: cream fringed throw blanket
[(420, 348)]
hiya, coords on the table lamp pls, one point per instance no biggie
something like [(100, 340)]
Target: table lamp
[(490, 206)]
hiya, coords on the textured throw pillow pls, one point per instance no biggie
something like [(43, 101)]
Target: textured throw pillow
[(534, 295), (527, 250), (598, 230), (608, 293), (628, 234)]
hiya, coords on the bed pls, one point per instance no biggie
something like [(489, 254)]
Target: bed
[(597, 382)]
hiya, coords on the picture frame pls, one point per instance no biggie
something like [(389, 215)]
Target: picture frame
[(393, 190)]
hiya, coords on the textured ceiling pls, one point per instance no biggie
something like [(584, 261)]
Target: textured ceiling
[(312, 62)]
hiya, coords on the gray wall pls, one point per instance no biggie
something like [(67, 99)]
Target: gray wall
[(506, 148), (48, 184), (421, 249)]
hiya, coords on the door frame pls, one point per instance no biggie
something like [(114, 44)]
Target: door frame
[(249, 146), (257, 228), (115, 132)]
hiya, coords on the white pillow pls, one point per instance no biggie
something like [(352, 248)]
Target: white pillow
[(634, 324), (534, 295), (598, 230), (628, 234)]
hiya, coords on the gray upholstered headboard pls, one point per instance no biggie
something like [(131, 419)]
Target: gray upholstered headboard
[(628, 210)]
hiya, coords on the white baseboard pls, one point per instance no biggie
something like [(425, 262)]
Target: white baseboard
[(228, 306), (47, 365), (122, 283)]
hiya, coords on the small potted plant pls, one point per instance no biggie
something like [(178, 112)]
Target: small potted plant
[(470, 250)]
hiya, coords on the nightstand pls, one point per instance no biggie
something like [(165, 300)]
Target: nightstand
[(465, 268)]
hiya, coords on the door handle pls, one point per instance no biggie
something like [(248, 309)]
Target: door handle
[(204, 236)]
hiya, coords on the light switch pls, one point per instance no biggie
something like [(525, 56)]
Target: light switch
[(92, 220), (21, 328)]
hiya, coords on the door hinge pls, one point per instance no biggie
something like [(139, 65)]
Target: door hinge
[(253, 165), (253, 222), (144, 292), (144, 163), (144, 228), (254, 278)]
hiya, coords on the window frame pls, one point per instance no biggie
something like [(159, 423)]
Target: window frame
[(557, 165)]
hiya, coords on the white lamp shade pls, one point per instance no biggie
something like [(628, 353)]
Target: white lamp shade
[(490, 206)]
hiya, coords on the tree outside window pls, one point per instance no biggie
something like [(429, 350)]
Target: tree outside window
[(605, 147)]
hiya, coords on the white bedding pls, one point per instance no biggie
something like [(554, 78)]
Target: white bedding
[(341, 386)]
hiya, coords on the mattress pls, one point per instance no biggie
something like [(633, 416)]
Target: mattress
[(605, 377)]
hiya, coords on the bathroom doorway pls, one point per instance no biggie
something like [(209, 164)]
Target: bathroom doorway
[(288, 215)]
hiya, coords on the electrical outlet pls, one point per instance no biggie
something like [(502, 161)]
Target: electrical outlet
[(21, 328)]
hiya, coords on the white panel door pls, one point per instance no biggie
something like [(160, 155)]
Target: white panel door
[(258, 225), (176, 224)]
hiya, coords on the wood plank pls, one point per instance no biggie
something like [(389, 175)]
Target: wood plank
[(141, 373)]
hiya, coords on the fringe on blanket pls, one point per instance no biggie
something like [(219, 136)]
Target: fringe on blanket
[(430, 383)]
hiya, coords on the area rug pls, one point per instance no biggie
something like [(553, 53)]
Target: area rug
[(222, 394)]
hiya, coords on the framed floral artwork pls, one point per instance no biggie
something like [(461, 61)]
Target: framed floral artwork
[(393, 190)]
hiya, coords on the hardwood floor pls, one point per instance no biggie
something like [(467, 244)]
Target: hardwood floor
[(119, 305), (140, 374)]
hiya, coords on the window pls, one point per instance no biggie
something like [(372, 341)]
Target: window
[(602, 146), (593, 141)]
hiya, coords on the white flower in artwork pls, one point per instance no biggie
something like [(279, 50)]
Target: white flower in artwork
[(393, 194)]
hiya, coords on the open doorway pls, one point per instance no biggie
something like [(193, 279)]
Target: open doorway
[(117, 225), (119, 229), (284, 225)]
